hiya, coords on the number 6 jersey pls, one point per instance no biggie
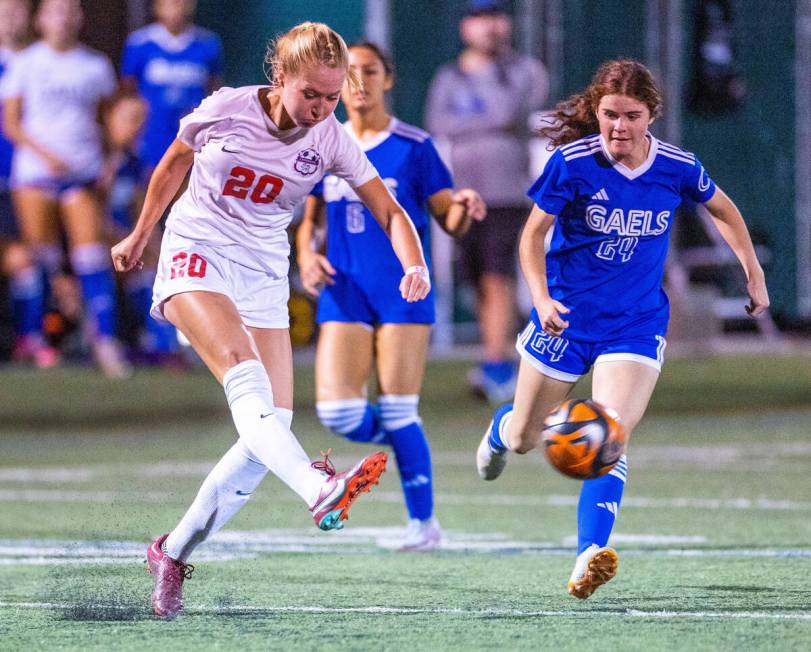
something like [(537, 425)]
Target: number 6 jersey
[(606, 259), (248, 175)]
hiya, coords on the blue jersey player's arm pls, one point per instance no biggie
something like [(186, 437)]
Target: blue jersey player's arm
[(700, 188), (315, 270), (551, 192), (729, 221), (453, 211), (532, 255)]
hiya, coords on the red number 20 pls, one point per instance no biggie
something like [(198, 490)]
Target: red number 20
[(194, 265), (267, 188)]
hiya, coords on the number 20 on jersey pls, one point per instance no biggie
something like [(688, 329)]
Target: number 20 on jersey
[(243, 184)]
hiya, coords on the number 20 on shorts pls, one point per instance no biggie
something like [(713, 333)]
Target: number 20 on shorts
[(241, 182), (193, 266)]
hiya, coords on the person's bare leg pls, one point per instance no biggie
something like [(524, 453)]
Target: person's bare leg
[(517, 426), (626, 386), (343, 363)]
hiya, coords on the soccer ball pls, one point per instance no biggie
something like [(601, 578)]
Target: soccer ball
[(583, 439)]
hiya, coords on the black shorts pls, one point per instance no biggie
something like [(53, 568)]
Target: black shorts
[(490, 246), (8, 221)]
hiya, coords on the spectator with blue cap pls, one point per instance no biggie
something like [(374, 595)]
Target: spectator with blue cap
[(479, 106)]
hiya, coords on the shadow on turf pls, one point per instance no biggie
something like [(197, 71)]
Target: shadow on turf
[(738, 588), (107, 612)]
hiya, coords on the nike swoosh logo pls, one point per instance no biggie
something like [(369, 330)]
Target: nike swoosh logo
[(230, 151), (243, 493), (265, 416)]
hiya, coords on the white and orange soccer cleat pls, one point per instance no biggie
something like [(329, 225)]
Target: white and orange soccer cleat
[(594, 567), (169, 573), (341, 489)]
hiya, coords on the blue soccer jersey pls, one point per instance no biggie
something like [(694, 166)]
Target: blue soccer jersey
[(6, 148), (607, 254), (358, 248), (130, 177), (173, 74)]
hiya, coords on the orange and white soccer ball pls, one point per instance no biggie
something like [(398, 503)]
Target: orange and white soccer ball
[(583, 439)]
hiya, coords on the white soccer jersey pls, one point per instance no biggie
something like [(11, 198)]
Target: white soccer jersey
[(248, 176), (60, 94)]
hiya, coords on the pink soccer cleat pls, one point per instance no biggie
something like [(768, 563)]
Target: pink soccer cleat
[(341, 489), (167, 596)]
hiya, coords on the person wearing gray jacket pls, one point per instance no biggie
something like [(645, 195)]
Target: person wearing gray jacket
[(479, 106)]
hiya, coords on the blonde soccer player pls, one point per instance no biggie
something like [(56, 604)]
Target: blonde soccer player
[(255, 152), (363, 322)]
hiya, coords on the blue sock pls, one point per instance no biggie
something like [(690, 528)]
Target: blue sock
[(98, 291), (399, 415), (496, 442), (162, 336), (599, 505), (500, 371), (353, 419), (91, 264), (139, 296), (414, 462), (27, 290)]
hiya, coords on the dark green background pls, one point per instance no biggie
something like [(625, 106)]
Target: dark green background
[(750, 154)]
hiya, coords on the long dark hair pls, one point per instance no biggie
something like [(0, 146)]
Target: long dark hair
[(379, 52), (576, 117)]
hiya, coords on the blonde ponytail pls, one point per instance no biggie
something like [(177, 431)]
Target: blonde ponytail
[(308, 44)]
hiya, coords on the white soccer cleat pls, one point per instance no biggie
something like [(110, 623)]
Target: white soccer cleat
[(422, 536), (489, 463), (594, 567)]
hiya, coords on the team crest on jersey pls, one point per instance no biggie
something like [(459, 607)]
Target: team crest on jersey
[(307, 161)]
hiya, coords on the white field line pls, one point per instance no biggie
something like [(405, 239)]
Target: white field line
[(232, 545), (648, 455), (443, 611), (494, 500)]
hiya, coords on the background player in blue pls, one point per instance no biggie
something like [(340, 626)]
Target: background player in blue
[(124, 183), (52, 92), (362, 316), (611, 190), (173, 64)]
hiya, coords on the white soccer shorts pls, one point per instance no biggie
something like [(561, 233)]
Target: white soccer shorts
[(186, 266)]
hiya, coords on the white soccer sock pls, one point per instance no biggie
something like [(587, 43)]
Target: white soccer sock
[(271, 442), (223, 493)]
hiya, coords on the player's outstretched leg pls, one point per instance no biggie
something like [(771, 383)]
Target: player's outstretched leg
[(491, 456), (169, 573), (340, 490), (597, 512)]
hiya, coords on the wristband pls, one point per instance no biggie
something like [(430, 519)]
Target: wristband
[(418, 269)]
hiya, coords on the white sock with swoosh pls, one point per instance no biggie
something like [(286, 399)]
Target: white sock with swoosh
[(223, 493)]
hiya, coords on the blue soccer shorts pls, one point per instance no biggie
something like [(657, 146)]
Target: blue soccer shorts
[(371, 301), (568, 359)]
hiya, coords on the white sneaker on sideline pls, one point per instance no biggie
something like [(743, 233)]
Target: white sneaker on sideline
[(109, 356), (422, 536), (594, 567), (489, 463)]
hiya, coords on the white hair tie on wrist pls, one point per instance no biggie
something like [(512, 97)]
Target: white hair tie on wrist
[(418, 269)]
